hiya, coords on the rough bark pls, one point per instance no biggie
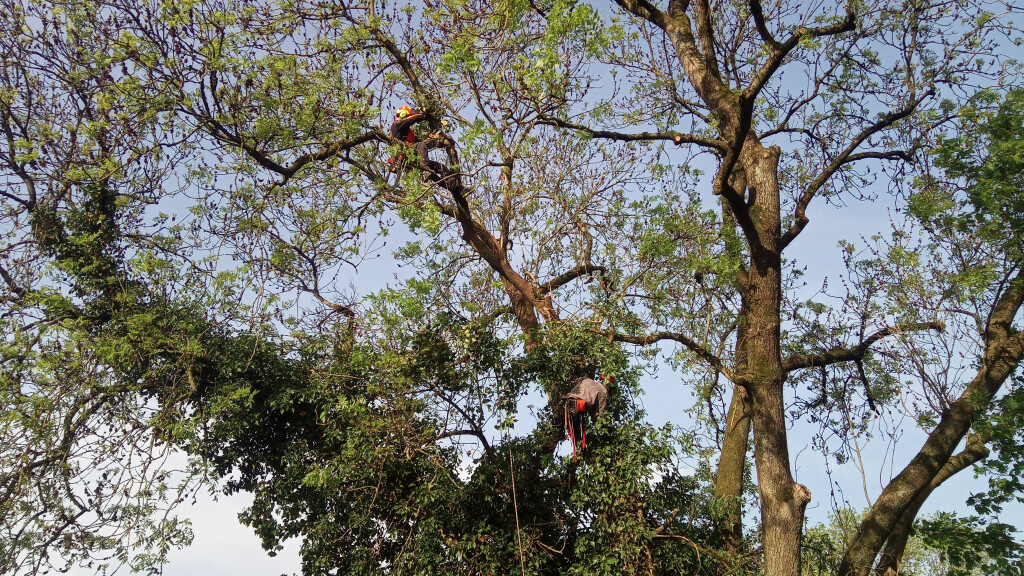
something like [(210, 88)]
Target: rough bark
[(733, 459), (892, 556), (731, 464), (758, 214), (783, 501)]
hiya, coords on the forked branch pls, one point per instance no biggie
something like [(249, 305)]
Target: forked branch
[(847, 156), (781, 51)]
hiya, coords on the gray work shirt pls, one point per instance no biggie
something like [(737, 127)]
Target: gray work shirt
[(592, 392)]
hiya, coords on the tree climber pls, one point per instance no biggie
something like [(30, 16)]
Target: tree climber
[(585, 402), (401, 129)]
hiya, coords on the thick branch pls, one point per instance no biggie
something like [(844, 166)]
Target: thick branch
[(677, 137), (686, 341), (1004, 350), (646, 10), (669, 520), (758, 13), (676, 25), (837, 355), (722, 187), (895, 546), (974, 452), (221, 133), (526, 299), (706, 33), (729, 478), (563, 279)]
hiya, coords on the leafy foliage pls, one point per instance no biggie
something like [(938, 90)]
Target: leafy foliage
[(971, 546)]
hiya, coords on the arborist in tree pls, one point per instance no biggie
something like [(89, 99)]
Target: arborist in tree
[(584, 403), (401, 129)]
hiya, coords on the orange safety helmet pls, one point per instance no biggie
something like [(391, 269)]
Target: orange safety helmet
[(403, 112)]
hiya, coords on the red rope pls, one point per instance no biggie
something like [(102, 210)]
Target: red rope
[(572, 431)]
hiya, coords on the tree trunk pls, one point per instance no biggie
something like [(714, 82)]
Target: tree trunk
[(733, 459), (900, 494), (892, 556), (783, 501), (731, 464)]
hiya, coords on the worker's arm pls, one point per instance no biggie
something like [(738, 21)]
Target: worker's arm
[(399, 127)]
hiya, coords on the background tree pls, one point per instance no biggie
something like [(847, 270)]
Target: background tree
[(874, 72), (967, 273), (93, 291), (942, 544)]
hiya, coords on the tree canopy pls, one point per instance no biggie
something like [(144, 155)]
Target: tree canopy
[(214, 247)]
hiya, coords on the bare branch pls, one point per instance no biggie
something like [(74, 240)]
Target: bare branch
[(686, 341), (339, 308), (15, 289), (220, 132), (844, 158), (14, 198), (867, 387), (563, 279), (879, 155), (677, 137), (778, 55), (668, 521), (425, 97), (453, 433), (855, 353), (475, 431), (783, 126)]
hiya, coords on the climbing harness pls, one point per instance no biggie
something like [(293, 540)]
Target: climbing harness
[(575, 412), (401, 130)]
